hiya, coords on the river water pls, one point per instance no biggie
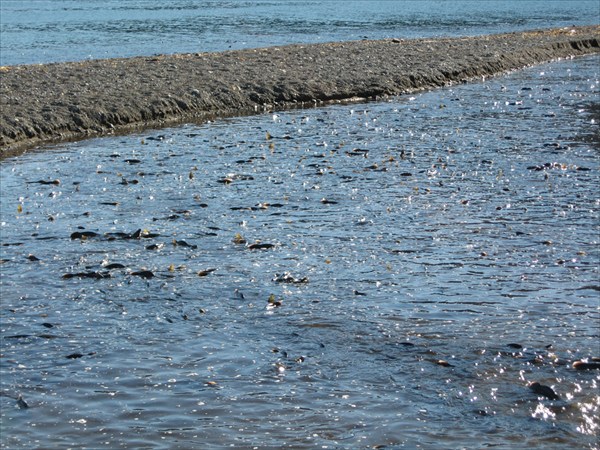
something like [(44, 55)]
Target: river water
[(64, 30), (384, 275), (459, 225)]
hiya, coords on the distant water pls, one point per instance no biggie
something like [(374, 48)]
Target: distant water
[(65, 30)]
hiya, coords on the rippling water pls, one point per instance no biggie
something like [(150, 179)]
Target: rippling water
[(65, 30), (419, 262)]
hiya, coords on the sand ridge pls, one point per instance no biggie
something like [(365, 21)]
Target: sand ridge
[(48, 103)]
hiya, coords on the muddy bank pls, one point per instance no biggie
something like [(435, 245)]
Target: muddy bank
[(48, 103)]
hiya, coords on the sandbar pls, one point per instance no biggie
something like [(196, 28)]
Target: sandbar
[(48, 103)]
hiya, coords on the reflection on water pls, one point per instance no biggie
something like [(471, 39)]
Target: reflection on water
[(388, 274)]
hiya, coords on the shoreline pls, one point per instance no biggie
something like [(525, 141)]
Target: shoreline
[(59, 102)]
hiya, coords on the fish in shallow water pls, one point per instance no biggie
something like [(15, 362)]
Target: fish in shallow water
[(543, 390)]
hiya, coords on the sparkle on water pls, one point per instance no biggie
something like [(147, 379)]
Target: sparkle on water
[(419, 262)]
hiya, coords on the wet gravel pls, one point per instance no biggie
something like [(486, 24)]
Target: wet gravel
[(71, 101)]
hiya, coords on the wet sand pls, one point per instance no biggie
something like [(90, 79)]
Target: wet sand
[(43, 104)]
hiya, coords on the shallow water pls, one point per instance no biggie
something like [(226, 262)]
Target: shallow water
[(66, 30), (440, 227)]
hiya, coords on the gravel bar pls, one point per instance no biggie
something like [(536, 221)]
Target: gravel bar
[(49, 103)]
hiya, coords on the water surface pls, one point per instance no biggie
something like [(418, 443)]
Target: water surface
[(66, 30), (419, 262)]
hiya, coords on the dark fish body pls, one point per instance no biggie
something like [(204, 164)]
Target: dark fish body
[(260, 246), (83, 234), (543, 391)]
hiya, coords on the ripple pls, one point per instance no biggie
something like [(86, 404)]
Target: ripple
[(273, 317)]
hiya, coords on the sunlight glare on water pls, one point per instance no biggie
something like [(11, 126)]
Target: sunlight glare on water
[(386, 274)]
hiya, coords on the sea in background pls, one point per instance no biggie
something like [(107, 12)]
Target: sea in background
[(384, 275), (45, 31)]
